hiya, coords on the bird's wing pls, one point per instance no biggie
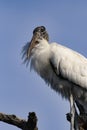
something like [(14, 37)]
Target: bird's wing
[(69, 64)]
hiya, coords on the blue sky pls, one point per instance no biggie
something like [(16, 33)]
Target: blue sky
[(22, 91)]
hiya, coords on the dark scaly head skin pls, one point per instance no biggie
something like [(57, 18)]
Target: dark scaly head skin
[(42, 33)]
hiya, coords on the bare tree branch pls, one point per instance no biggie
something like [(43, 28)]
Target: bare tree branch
[(30, 124), (80, 117)]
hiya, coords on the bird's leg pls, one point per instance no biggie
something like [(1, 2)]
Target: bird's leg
[(76, 124), (72, 111)]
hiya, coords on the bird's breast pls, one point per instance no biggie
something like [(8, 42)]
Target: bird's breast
[(41, 64)]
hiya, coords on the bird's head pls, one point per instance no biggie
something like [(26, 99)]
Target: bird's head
[(39, 33)]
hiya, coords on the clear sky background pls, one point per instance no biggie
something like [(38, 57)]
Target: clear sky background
[(22, 91)]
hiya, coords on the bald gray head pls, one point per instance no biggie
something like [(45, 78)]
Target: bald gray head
[(39, 33)]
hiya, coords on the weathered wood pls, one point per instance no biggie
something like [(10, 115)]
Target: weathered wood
[(81, 117), (30, 124)]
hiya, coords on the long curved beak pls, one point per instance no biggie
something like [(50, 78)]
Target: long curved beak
[(32, 45)]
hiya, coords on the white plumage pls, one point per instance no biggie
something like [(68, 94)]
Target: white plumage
[(70, 64), (68, 72), (62, 68)]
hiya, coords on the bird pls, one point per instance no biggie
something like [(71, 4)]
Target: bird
[(62, 68)]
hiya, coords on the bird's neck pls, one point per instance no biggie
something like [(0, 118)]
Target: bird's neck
[(43, 45), (40, 55), (42, 48)]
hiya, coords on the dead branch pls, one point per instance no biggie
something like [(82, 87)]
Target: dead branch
[(81, 117), (30, 124)]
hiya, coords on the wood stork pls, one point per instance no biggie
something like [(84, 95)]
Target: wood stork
[(62, 68)]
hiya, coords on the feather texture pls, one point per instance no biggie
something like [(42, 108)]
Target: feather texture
[(70, 64), (62, 68)]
